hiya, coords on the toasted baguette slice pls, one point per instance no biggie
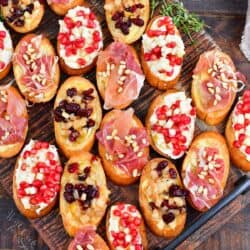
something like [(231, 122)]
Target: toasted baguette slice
[(83, 56), (237, 133), (206, 182), (6, 52), (137, 15), (75, 130), (88, 239), (84, 194), (120, 121), (212, 93), (119, 75), (36, 179), (125, 212), (162, 67), (62, 8), (43, 85), (170, 135), (164, 211), (33, 12)]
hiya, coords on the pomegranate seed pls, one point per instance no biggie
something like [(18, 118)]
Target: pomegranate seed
[(246, 108), (35, 170), (170, 73), (246, 94), (171, 31), (91, 24), (90, 50), (44, 145), (137, 221), (43, 188), (78, 24), (37, 183), (242, 137), (2, 65), (24, 184), (116, 243), (96, 36), (2, 34), (238, 126), (26, 154), (69, 23), (132, 209), (48, 193), (80, 13), (176, 152), (81, 61), (21, 192), (171, 44), (57, 188), (248, 150), (92, 16), (121, 235), (59, 169), (52, 162), (117, 213), (23, 167), (57, 177), (120, 206), (33, 201), (133, 232), (178, 60), (138, 247), (193, 111), (152, 33), (113, 233), (50, 155), (40, 165)]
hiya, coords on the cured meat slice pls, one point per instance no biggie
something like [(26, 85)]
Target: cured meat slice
[(119, 75)]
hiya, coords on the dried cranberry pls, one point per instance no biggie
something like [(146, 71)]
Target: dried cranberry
[(90, 123), (62, 103), (58, 115), (85, 204), (85, 112), (19, 23), (74, 134), (4, 2), (69, 197), (172, 173), (69, 187), (137, 21), (92, 192), (72, 108), (30, 8), (71, 92), (85, 174), (177, 191), (165, 203), (73, 167), (139, 6), (169, 217), (87, 94), (152, 205), (161, 165), (80, 187), (118, 15)]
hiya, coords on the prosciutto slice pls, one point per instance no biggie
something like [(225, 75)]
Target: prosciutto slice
[(123, 124), (114, 54), (15, 126), (46, 66)]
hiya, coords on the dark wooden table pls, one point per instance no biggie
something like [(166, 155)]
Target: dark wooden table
[(225, 20)]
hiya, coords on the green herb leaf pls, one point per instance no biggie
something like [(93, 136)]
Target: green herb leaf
[(154, 4)]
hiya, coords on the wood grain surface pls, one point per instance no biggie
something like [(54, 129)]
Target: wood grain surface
[(225, 20)]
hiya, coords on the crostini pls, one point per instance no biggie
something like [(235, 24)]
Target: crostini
[(84, 194), (13, 122), (125, 228), (88, 239), (205, 170), (162, 198), (214, 86), (61, 7), (77, 115), (123, 146), (238, 133), (22, 15), (162, 53), (36, 68), (6, 51), (127, 20), (79, 41), (170, 123), (36, 179), (119, 75)]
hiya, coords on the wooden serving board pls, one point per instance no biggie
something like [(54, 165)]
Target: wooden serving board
[(41, 127)]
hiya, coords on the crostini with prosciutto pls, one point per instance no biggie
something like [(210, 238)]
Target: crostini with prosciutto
[(205, 170), (88, 239), (162, 198), (162, 53), (13, 122), (61, 7), (123, 146), (125, 228), (170, 123), (77, 115), (79, 41), (6, 51), (36, 68), (36, 179), (214, 86), (84, 194), (238, 133), (119, 75), (22, 15), (127, 20)]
